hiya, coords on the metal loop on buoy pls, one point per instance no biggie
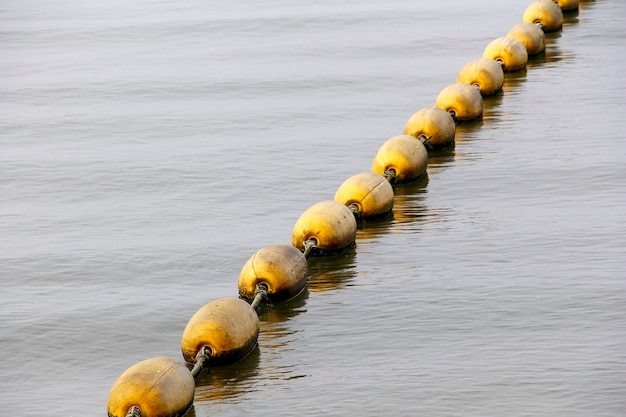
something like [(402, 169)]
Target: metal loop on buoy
[(391, 176), (202, 360), (309, 245), (134, 411), (260, 294), (354, 208)]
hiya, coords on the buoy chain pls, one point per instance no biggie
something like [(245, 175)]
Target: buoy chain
[(134, 411), (202, 361), (260, 294)]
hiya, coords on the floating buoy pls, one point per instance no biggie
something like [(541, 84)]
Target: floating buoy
[(509, 52), (229, 327), (403, 155), (530, 35), (545, 12), (434, 127), (462, 101), (484, 73), (283, 270), (369, 193), (567, 5), (330, 224), (159, 387)]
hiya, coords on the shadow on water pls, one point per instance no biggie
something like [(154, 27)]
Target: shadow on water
[(372, 228), (439, 160), (332, 272), (490, 106), (273, 314), (409, 204), (584, 4), (466, 131), (228, 381), (514, 80), (570, 17)]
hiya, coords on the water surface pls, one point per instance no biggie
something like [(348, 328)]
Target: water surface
[(150, 148)]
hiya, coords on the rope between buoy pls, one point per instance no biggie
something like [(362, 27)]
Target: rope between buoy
[(355, 210), (309, 245), (391, 176), (202, 361), (260, 293), (133, 411)]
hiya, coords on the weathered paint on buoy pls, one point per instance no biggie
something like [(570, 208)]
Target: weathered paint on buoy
[(462, 101), (405, 155), (331, 224), (434, 127), (530, 35), (159, 387), (283, 269), (227, 326), (568, 5), (369, 192), (484, 73), (545, 12), (510, 52)]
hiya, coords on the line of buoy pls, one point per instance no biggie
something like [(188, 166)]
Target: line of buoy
[(226, 330)]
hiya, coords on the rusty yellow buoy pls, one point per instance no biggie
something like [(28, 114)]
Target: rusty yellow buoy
[(530, 35), (330, 224), (369, 193), (547, 13), (462, 101), (434, 127), (483, 73), (568, 5), (229, 327), (509, 52), (283, 270), (404, 156), (159, 387)]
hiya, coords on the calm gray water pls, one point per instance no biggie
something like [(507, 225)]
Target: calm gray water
[(149, 148)]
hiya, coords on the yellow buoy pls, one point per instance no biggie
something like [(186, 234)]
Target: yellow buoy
[(229, 327), (568, 4), (434, 127), (509, 52), (403, 154), (283, 270), (330, 224), (484, 73), (370, 193), (545, 12), (159, 387), (530, 35), (462, 101)]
